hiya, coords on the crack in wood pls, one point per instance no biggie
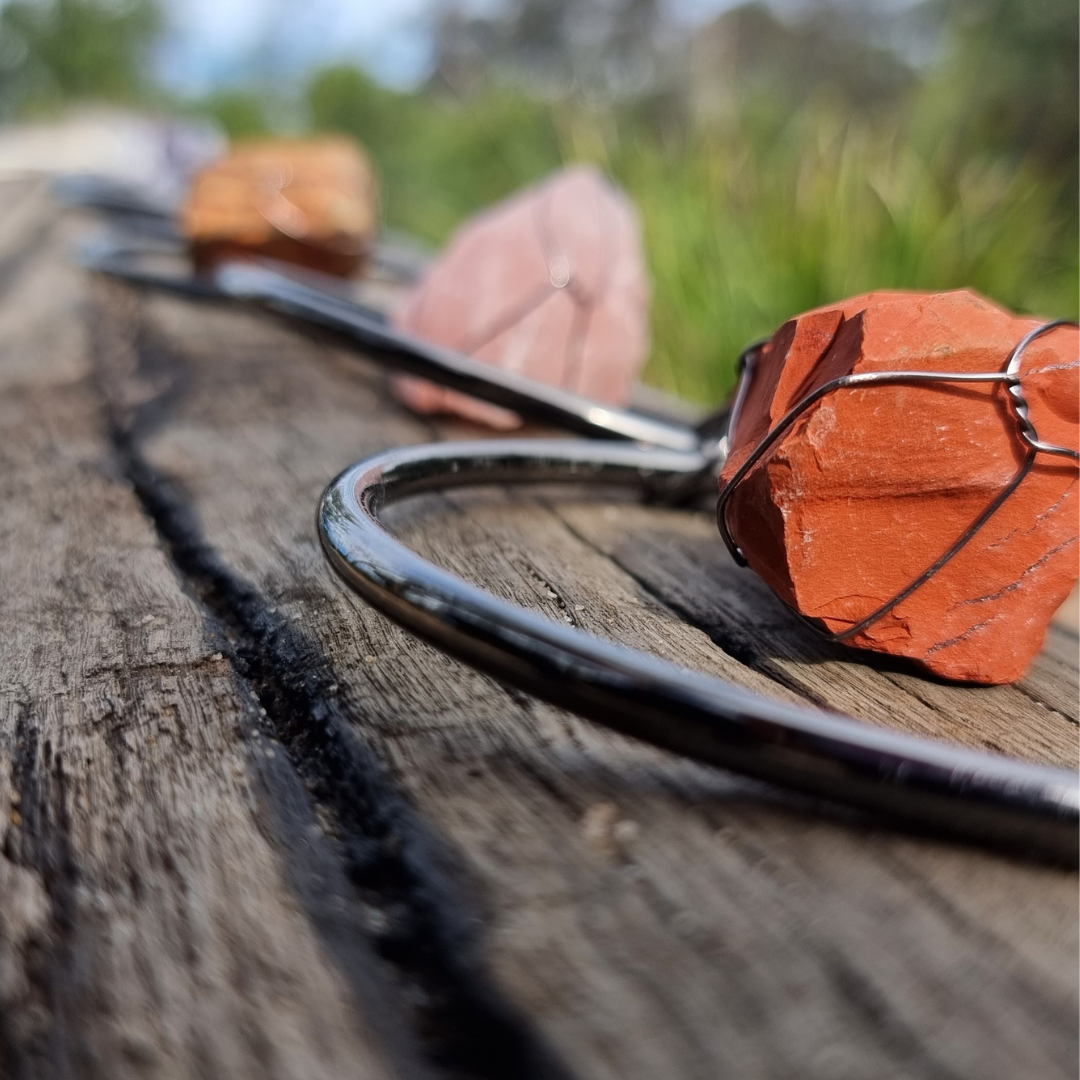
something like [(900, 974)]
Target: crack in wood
[(390, 856), (39, 840)]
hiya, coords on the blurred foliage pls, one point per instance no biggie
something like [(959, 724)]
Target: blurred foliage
[(242, 113), (438, 159), (746, 227), (828, 52), (777, 164), (56, 51), (1009, 80), (752, 212)]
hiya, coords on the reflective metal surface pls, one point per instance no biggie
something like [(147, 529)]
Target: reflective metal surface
[(527, 397), (916, 782), (533, 400), (926, 785)]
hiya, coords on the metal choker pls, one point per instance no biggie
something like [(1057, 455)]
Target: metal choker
[(917, 783)]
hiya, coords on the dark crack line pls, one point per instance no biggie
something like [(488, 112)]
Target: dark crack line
[(41, 841), (392, 860), (1014, 585), (549, 590), (950, 642)]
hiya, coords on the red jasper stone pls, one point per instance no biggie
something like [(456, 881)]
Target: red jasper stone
[(872, 485), (550, 283)]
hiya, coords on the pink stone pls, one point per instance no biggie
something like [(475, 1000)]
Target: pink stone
[(550, 283)]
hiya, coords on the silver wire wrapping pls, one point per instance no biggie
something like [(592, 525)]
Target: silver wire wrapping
[(1008, 376)]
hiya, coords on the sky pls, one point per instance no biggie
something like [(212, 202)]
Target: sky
[(214, 42)]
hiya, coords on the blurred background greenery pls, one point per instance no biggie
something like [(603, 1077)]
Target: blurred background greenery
[(779, 161)]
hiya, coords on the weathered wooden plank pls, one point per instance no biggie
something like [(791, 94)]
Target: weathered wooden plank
[(158, 915), (654, 918), (676, 557), (1052, 677)]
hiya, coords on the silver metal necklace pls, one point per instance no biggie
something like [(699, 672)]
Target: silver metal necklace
[(918, 783)]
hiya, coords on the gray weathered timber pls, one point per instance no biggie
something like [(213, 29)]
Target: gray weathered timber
[(151, 920), (258, 829)]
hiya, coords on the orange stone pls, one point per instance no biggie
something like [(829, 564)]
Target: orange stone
[(312, 202), (872, 485), (550, 283)]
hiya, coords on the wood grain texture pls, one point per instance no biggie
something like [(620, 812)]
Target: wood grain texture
[(168, 897), (522, 893)]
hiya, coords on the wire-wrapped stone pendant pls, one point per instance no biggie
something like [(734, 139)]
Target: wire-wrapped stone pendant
[(922, 501)]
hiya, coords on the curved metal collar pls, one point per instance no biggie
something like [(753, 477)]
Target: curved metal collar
[(917, 782), (262, 284)]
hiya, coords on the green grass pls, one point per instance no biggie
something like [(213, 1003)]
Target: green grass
[(965, 176), (746, 222), (743, 230), (768, 211)]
